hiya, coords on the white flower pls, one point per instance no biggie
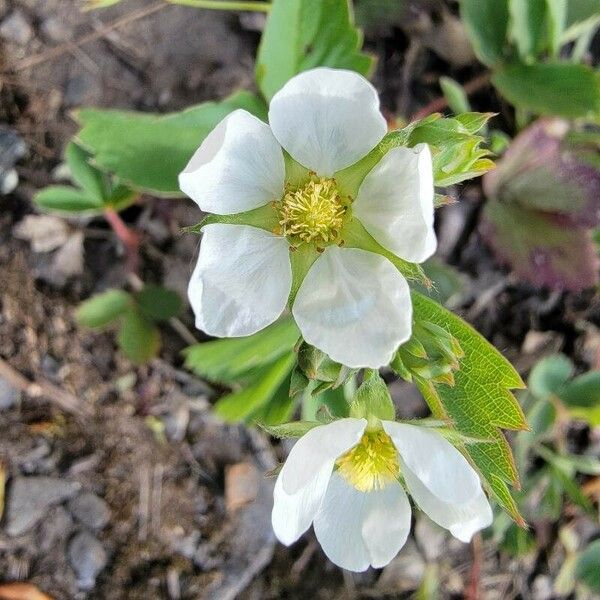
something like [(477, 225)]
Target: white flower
[(351, 303), (346, 481)]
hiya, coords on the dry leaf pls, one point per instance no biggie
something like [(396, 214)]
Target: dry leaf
[(21, 591)]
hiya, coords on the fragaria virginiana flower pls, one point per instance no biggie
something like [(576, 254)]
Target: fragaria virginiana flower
[(348, 481), (290, 240)]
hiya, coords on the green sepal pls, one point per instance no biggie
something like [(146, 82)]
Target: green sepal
[(372, 399), (263, 217), (316, 365), (295, 429)]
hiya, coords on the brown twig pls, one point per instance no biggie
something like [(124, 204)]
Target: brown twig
[(38, 59), (441, 103), (42, 388)]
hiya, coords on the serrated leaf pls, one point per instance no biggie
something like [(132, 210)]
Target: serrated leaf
[(545, 249), (486, 22), (138, 338), (560, 89), (103, 309), (228, 360), (479, 403), (88, 178), (303, 34), (295, 429), (239, 406), (149, 151), (158, 302)]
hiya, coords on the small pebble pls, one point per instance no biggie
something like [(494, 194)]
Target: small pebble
[(9, 396), (55, 30), (87, 557), (90, 510), (16, 29), (29, 498)]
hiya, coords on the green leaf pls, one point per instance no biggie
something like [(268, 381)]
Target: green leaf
[(158, 303), (549, 375), (103, 309), (149, 151), (138, 338), (303, 34), (588, 566), (228, 360), (88, 178), (583, 391), (557, 20), (66, 199), (279, 409), (479, 403), (527, 26), (295, 429), (455, 95), (582, 16), (240, 406), (560, 89), (486, 22)]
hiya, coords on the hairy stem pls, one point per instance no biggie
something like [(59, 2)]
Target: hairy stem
[(128, 237)]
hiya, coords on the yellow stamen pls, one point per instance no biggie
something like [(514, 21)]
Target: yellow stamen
[(312, 213), (371, 464)]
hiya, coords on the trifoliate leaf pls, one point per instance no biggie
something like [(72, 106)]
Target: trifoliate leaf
[(149, 151), (479, 402), (303, 34), (229, 360), (104, 308)]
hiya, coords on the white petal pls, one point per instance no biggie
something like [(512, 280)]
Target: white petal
[(395, 203), (242, 280), (440, 480), (303, 479), (238, 167), (357, 529), (327, 119), (355, 306)]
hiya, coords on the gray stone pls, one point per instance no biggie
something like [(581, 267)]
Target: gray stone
[(90, 510), (16, 29), (87, 557), (29, 498), (55, 30), (9, 396)]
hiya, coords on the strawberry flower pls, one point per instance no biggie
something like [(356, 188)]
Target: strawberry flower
[(283, 235), (348, 480)]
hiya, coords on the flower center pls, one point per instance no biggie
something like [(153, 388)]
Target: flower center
[(371, 464), (312, 213)]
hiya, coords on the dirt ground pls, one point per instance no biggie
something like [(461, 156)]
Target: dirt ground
[(120, 483)]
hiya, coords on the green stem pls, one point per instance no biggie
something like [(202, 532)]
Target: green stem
[(253, 6)]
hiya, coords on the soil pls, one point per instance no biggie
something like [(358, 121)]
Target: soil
[(188, 497)]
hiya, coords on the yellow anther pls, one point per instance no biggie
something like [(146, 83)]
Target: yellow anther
[(371, 464), (312, 213)]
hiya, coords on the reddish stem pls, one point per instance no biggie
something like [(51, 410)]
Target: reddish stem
[(129, 238), (472, 592)]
